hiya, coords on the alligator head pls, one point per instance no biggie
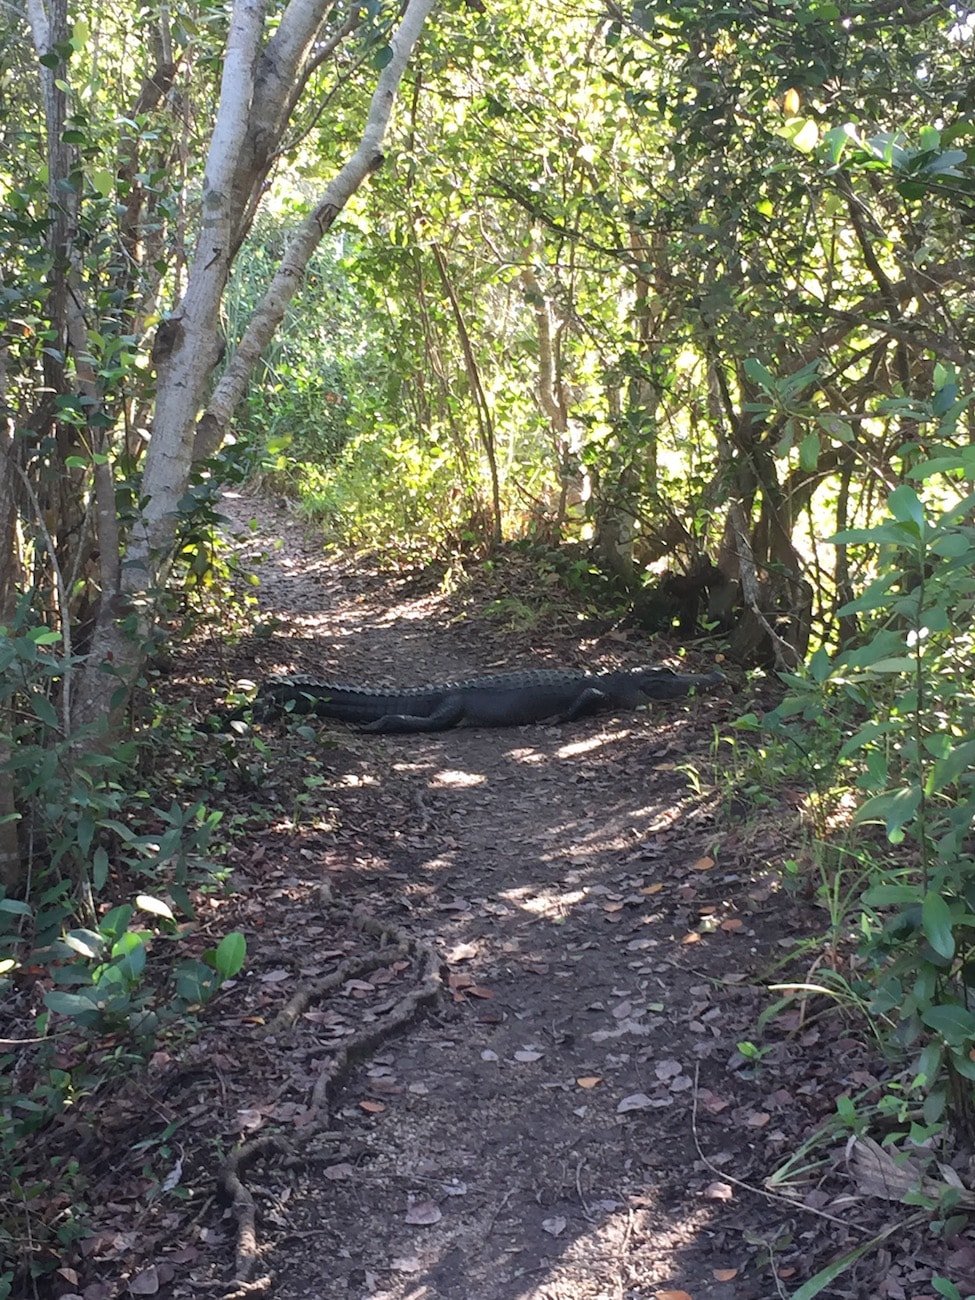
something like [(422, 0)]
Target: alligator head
[(657, 683)]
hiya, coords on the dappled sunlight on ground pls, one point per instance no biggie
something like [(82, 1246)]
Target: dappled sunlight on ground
[(451, 777), (601, 917)]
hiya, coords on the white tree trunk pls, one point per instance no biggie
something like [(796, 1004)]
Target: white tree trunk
[(270, 312), (249, 124)]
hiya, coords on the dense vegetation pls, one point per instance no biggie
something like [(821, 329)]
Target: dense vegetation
[(681, 293)]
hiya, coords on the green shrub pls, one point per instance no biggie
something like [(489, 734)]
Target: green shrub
[(903, 701)]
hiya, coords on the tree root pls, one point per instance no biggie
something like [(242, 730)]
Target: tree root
[(396, 944)]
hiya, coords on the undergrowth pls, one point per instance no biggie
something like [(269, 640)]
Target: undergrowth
[(880, 738), (102, 954)]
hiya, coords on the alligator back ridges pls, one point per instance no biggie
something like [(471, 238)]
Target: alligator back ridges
[(524, 678), (510, 699)]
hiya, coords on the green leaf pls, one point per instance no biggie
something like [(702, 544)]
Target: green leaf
[(947, 771), (887, 895), (954, 1023), (876, 596), (869, 732), (820, 666), (946, 1289), (15, 906), (75, 1005), (809, 452), (44, 710), (102, 181), (894, 533), (898, 664), (836, 428), (229, 955), (99, 869), (929, 1063), (154, 905), (809, 1290), (116, 921), (884, 644), (961, 508), (88, 943), (904, 504), (759, 376), (894, 807), (936, 924), (195, 983)]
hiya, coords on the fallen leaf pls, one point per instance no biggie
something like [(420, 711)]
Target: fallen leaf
[(336, 1173), (589, 1081), (372, 1107), (424, 1213), (145, 1283), (758, 1119), (554, 1226), (478, 991), (527, 1054), (710, 1101), (672, 1295), (462, 952), (724, 1274), (691, 938), (732, 925), (650, 890), (635, 1101), (405, 1264), (719, 1192), (702, 864)]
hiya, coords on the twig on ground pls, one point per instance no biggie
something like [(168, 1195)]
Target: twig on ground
[(778, 1197), (396, 944)]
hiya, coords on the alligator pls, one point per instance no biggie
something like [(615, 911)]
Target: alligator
[(502, 700)]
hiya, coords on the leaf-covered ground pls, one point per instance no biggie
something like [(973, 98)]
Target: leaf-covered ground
[(572, 1118)]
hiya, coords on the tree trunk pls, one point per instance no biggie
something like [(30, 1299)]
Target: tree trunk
[(485, 421), (187, 345), (10, 862)]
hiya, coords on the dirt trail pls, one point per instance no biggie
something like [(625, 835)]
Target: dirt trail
[(533, 1136)]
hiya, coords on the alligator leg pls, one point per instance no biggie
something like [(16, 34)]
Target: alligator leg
[(449, 714), (586, 703)]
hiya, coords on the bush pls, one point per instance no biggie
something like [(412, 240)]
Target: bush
[(903, 702)]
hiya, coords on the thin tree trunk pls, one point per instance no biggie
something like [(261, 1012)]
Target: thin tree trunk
[(185, 352), (485, 422), (10, 862), (551, 390), (270, 312)]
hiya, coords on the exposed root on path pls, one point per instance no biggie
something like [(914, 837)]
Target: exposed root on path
[(395, 944)]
